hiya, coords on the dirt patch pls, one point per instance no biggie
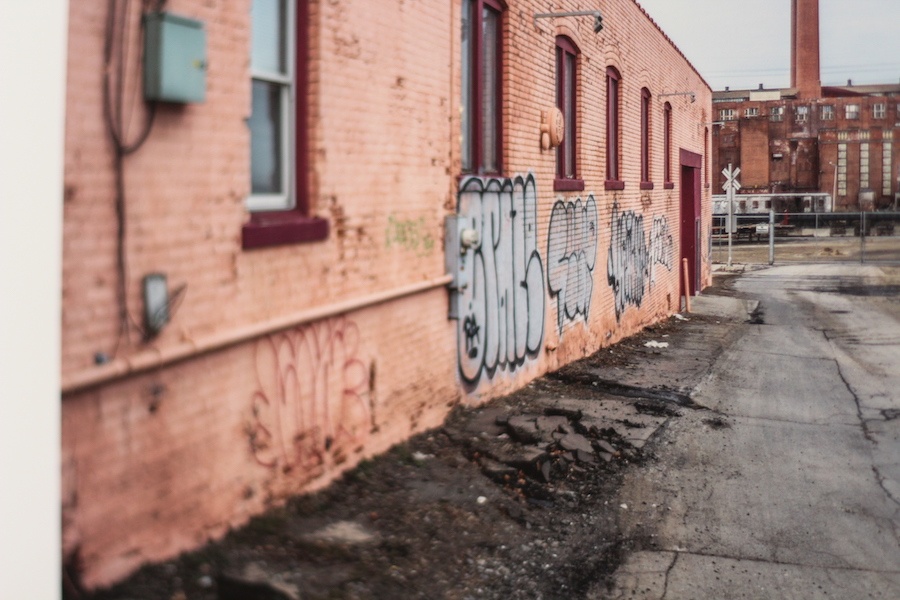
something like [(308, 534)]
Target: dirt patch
[(515, 499)]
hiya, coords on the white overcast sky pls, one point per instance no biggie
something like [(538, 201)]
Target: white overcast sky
[(742, 43)]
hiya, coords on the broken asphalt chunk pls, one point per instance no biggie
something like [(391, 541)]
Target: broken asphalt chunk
[(576, 442)]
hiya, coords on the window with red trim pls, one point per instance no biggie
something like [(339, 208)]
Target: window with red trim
[(613, 135), (567, 101), (482, 119), (278, 201), (646, 182), (667, 146)]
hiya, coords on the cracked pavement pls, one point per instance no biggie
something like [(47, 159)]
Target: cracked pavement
[(798, 495)]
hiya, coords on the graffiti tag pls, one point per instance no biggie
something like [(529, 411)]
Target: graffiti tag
[(504, 301), (571, 255), (632, 256), (411, 234), (311, 397)]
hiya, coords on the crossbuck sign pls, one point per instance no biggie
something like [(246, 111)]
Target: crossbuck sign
[(731, 186)]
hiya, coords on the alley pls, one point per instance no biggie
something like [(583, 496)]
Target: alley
[(789, 485)]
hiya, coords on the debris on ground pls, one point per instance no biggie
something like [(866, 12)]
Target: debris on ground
[(516, 499)]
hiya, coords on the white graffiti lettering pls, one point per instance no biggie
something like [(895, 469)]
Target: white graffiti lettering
[(571, 255), (503, 305)]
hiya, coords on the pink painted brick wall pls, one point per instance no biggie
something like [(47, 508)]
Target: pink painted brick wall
[(177, 454)]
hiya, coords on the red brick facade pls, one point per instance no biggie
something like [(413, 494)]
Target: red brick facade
[(806, 138), (793, 145), (283, 366)]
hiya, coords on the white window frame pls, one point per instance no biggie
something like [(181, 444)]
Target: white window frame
[(801, 114), (842, 170), (751, 112), (879, 110), (726, 114), (828, 112), (851, 112), (287, 199), (776, 113), (864, 165)]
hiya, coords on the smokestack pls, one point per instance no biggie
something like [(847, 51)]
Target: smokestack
[(805, 75)]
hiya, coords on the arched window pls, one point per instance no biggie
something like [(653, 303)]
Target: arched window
[(667, 146), (613, 133), (567, 178), (646, 181)]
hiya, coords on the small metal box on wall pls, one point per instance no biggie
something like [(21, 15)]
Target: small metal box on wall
[(174, 58)]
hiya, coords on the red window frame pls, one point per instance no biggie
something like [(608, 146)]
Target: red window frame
[(567, 179), (613, 132), (646, 182), (475, 127), (295, 225), (667, 147)]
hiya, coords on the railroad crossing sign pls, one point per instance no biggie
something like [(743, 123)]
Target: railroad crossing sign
[(731, 186), (731, 183)]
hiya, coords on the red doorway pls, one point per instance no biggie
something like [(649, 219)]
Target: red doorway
[(691, 165)]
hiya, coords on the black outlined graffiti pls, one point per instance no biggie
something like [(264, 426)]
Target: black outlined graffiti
[(632, 257), (661, 245), (503, 305), (571, 255)]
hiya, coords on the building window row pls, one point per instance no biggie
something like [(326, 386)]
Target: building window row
[(567, 175)]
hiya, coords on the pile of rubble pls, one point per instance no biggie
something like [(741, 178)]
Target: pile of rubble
[(543, 446)]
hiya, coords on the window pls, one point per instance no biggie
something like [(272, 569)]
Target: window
[(726, 114), (842, 170), (851, 111), (278, 200), (776, 114), (864, 166), (567, 101), (646, 184), (481, 86), (801, 114), (613, 82), (879, 111), (828, 112), (270, 121), (887, 162), (751, 112), (667, 146)]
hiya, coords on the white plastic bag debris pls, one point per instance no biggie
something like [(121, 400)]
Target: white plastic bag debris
[(655, 344)]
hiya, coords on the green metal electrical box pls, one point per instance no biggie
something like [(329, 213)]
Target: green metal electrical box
[(174, 58)]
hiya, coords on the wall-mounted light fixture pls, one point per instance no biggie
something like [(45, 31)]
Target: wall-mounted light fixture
[(691, 94), (598, 18)]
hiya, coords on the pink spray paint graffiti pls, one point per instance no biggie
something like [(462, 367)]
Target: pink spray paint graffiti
[(312, 397)]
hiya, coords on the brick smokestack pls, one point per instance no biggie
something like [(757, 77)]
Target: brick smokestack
[(805, 74)]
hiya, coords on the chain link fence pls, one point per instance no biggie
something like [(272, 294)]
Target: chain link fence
[(864, 237)]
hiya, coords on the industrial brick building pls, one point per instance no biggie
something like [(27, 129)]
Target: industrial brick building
[(296, 233), (837, 140)]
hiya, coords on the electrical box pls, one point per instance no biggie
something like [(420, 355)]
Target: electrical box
[(174, 58)]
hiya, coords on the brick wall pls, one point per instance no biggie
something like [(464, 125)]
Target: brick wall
[(808, 147), (284, 366)]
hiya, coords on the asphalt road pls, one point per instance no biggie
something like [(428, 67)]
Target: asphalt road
[(791, 488)]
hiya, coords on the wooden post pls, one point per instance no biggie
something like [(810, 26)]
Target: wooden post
[(687, 286)]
